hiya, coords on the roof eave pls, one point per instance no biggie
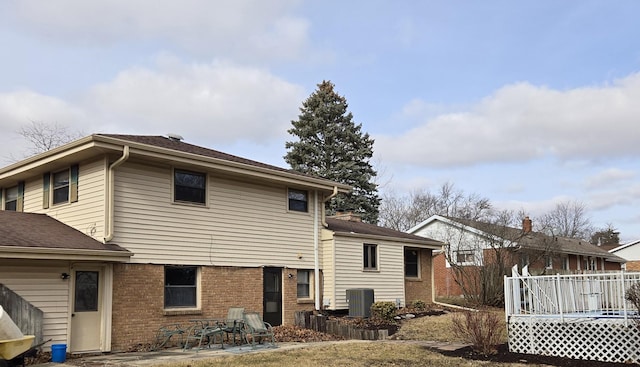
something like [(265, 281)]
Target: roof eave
[(433, 245), (47, 253), (147, 150)]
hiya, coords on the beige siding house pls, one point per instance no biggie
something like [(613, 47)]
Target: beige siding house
[(197, 231)]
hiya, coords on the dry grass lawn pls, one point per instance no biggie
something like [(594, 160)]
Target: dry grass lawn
[(380, 353), (358, 353)]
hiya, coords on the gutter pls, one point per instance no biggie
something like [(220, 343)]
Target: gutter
[(110, 200), (333, 195), (316, 242)]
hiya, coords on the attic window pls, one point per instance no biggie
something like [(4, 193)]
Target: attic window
[(189, 187)]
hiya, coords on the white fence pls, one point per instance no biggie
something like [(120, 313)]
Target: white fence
[(582, 316)]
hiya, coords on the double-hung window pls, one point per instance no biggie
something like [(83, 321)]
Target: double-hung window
[(370, 257), (61, 187), (298, 200), (411, 263), (11, 198), (189, 187), (180, 286), (304, 278)]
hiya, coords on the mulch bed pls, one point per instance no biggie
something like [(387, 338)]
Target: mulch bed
[(504, 356)]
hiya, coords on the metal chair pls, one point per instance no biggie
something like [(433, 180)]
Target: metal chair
[(258, 329), (234, 323), (164, 334)]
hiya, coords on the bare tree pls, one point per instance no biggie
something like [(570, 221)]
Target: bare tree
[(44, 136), (404, 212), (568, 219), (479, 263)]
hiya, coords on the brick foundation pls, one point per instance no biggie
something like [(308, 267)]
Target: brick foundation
[(138, 299)]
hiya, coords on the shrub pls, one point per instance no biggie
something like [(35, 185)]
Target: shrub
[(633, 295), (483, 329), (419, 305), (383, 310)]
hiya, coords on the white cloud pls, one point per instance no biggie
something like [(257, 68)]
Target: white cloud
[(608, 178), (243, 28), (215, 103), (522, 122), (19, 108)]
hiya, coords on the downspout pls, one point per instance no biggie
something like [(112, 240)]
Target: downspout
[(316, 241), (111, 194)]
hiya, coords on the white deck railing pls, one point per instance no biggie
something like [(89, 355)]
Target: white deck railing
[(570, 296)]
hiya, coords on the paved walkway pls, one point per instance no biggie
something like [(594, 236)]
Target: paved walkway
[(143, 359)]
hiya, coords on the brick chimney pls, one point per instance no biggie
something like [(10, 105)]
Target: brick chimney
[(526, 225), (347, 215)]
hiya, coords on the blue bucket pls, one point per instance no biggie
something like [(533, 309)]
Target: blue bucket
[(58, 353)]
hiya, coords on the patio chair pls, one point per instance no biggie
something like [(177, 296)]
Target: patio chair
[(204, 333), (233, 324), (258, 329), (164, 334)]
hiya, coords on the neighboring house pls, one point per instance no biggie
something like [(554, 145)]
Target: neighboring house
[(187, 233), (470, 243), (631, 253)]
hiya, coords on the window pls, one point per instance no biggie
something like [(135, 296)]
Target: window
[(548, 262), (61, 187), (189, 187), (304, 283), (565, 263), (411, 263), (11, 198), (370, 257), (180, 286), (298, 200), (465, 257)]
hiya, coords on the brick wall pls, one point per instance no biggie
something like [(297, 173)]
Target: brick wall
[(420, 289), (290, 297), (138, 299), (444, 280)]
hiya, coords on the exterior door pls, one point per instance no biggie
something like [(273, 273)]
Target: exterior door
[(86, 313), (272, 293)]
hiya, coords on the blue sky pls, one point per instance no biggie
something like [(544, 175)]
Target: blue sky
[(525, 102)]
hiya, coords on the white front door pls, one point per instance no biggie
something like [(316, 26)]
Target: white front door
[(86, 313)]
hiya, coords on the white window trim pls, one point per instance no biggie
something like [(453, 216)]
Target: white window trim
[(198, 292), (308, 195), (377, 250), (311, 285), (190, 203)]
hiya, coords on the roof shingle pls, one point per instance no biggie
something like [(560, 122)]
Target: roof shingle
[(41, 231)]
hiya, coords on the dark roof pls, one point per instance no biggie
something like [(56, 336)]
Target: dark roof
[(178, 145), (39, 230), (348, 226), (540, 241)]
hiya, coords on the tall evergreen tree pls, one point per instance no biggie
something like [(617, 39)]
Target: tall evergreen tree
[(332, 146)]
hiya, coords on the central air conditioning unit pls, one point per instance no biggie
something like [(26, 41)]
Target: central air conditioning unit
[(360, 301)]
